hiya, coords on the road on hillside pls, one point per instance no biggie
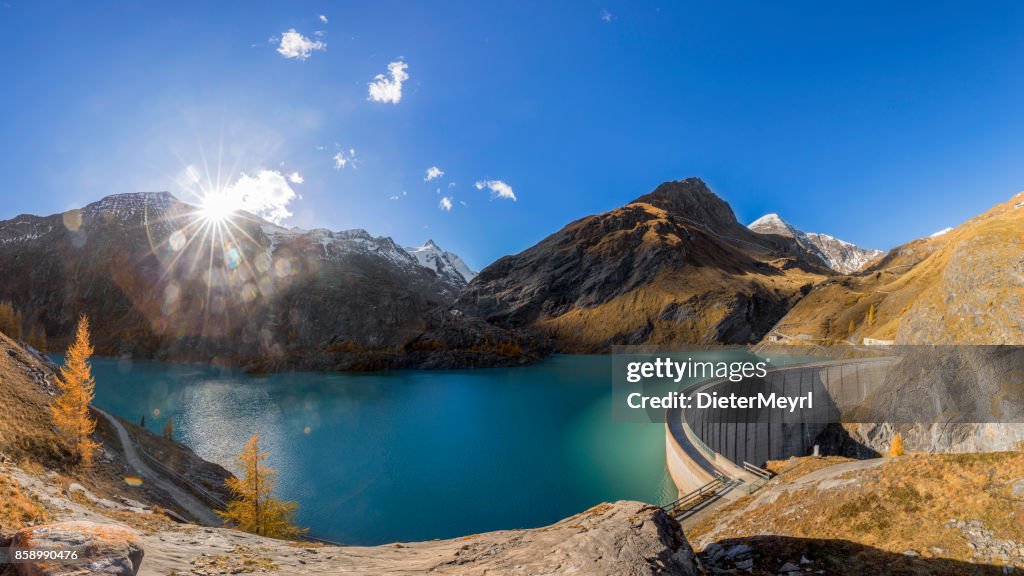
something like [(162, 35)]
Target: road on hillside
[(195, 507)]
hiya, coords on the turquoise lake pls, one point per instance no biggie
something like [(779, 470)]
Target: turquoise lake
[(410, 455)]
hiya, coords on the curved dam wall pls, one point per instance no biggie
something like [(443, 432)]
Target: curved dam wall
[(709, 441)]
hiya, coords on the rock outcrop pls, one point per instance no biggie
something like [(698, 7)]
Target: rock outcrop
[(621, 538), (99, 549)]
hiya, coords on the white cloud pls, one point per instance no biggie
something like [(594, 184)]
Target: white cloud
[(446, 203), (384, 89), (296, 178), (323, 18), (606, 15), (432, 173), (498, 189), (451, 184), (265, 194), (295, 45), (343, 159)]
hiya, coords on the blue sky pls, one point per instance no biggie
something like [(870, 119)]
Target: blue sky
[(869, 121)]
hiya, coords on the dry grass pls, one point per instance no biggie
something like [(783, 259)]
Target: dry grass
[(241, 559), (26, 432), (146, 523), (972, 263), (905, 504), (16, 509), (796, 467)]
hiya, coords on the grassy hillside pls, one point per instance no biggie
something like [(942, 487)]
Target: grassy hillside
[(30, 445), (916, 514), (962, 287)]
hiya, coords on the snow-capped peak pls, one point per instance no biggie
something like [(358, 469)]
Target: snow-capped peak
[(447, 265), (769, 219), (941, 232), (837, 254)]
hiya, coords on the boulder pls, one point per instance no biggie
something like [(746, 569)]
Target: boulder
[(103, 549)]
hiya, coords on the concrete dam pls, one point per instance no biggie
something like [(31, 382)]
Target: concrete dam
[(705, 443)]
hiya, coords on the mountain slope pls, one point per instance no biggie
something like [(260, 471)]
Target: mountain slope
[(452, 271), (843, 257), (160, 281), (962, 287), (672, 267)]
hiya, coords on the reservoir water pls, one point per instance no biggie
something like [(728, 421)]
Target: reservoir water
[(410, 455)]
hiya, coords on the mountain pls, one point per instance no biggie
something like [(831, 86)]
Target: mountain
[(448, 266), (838, 255), (672, 267), (965, 286), (159, 280)]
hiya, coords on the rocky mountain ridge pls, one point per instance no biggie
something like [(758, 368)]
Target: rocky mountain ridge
[(447, 265), (841, 256), (672, 267), (965, 286), (160, 280)]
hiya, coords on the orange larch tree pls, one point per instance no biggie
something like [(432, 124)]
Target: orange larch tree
[(70, 409), (254, 508)]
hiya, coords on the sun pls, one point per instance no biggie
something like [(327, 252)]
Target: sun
[(218, 206)]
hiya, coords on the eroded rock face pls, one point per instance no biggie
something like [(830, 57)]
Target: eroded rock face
[(621, 538), (104, 549)]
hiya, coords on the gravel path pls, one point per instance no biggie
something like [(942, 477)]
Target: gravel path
[(195, 508)]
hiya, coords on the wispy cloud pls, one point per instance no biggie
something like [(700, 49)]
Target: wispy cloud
[(344, 158), (296, 178), (389, 88), (606, 15), (498, 189), (295, 45), (446, 204), (323, 18), (433, 173)]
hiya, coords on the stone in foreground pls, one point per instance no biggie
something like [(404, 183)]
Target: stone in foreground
[(104, 549)]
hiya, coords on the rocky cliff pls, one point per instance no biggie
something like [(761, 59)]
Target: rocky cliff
[(672, 267)]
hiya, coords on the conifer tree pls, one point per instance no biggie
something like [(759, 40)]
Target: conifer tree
[(70, 409), (254, 508), (871, 316), (852, 327), (896, 447)]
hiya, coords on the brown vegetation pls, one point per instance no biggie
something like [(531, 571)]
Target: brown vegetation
[(16, 509), (901, 504), (962, 287)]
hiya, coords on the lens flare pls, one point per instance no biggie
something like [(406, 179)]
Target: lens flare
[(218, 206)]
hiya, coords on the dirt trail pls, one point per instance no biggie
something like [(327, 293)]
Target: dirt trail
[(195, 508)]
